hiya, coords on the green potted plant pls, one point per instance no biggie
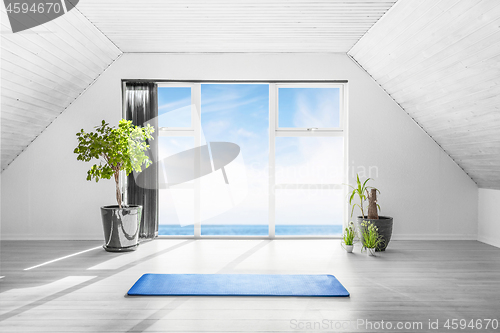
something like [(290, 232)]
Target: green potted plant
[(370, 237), (363, 193), (121, 148), (348, 237)]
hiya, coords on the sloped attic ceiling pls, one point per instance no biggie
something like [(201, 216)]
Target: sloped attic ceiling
[(44, 70), (440, 60)]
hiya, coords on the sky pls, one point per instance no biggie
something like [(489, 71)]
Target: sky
[(239, 113)]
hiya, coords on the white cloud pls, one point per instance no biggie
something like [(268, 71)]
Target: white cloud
[(176, 104)]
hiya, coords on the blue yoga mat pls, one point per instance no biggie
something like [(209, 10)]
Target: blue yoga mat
[(238, 285)]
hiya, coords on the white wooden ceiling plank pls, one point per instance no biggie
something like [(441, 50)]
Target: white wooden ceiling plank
[(33, 84), (9, 151), (20, 90), (464, 80), (15, 105), (13, 146), (441, 105), (431, 124), (92, 33), (258, 29), (245, 15), (423, 34), (490, 154), (455, 139), (249, 35), (89, 6), (485, 174), (15, 134), (50, 47), (415, 57), (10, 129), (228, 4), (34, 99), (445, 72), (114, 3), (44, 46), (481, 39), (485, 144), (483, 61), (16, 64), (457, 82), (9, 112), (337, 47), (381, 36), (77, 46), (489, 184), (485, 128), (14, 51), (457, 135), (472, 150), (484, 90), (19, 75), (470, 109), (387, 52), (17, 123), (257, 26), (133, 27), (473, 123)]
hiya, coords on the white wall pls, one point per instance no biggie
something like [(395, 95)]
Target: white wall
[(489, 220), (45, 194)]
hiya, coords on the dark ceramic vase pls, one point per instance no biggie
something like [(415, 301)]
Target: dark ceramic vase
[(384, 225), (121, 227)]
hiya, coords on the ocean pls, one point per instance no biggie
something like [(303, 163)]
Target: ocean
[(251, 230)]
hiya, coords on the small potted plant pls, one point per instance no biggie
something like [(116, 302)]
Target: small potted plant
[(348, 237), (362, 192), (370, 237), (118, 149)]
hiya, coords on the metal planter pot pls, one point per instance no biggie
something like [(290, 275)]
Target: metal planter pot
[(121, 227), (384, 225)]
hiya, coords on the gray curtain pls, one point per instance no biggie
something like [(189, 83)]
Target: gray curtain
[(141, 106)]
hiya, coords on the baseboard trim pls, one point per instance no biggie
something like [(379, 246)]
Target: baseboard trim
[(21, 237), (489, 241), (433, 237)]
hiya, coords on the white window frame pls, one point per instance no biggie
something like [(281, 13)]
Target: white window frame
[(193, 131), (276, 131)]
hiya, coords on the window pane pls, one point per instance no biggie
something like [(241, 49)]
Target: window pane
[(234, 198), (309, 160), (309, 107), (309, 211), (174, 107), (176, 202)]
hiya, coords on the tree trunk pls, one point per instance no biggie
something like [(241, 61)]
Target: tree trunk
[(372, 204), (118, 192)]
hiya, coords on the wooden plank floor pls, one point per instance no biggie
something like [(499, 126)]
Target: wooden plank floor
[(411, 283)]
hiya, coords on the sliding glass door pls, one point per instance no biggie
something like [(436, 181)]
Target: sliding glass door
[(251, 159)]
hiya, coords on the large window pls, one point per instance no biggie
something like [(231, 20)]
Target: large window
[(307, 162), (251, 159)]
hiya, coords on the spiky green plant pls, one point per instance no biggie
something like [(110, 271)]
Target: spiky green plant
[(370, 236), (349, 234), (360, 190)]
